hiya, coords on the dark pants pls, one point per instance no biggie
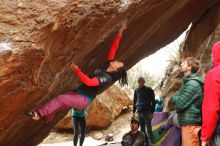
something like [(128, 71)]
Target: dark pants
[(145, 125), (79, 125), (215, 140)]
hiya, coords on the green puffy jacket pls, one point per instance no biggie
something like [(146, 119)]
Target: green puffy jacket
[(188, 100)]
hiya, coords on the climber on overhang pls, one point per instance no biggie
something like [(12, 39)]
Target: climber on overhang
[(84, 95)]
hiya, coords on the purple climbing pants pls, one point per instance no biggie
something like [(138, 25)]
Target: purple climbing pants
[(67, 100)]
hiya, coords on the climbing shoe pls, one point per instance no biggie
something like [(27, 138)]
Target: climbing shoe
[(33, 115)]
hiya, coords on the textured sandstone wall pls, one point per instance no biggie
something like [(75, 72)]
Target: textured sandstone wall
[(203, 34), (199, 41)]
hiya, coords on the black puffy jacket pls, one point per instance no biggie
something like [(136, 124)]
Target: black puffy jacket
[(105, 80)]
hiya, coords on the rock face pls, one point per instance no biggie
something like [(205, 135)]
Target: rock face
[(203, 34), (39, 39), (106, 107), (199, 41)]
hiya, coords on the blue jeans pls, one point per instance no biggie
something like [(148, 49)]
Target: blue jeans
[(145, 125)]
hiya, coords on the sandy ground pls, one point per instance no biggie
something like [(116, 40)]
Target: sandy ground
[(118, 128)]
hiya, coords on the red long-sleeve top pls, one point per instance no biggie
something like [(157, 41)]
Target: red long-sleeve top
[(211, 101), (111, 55), (114, 48)]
